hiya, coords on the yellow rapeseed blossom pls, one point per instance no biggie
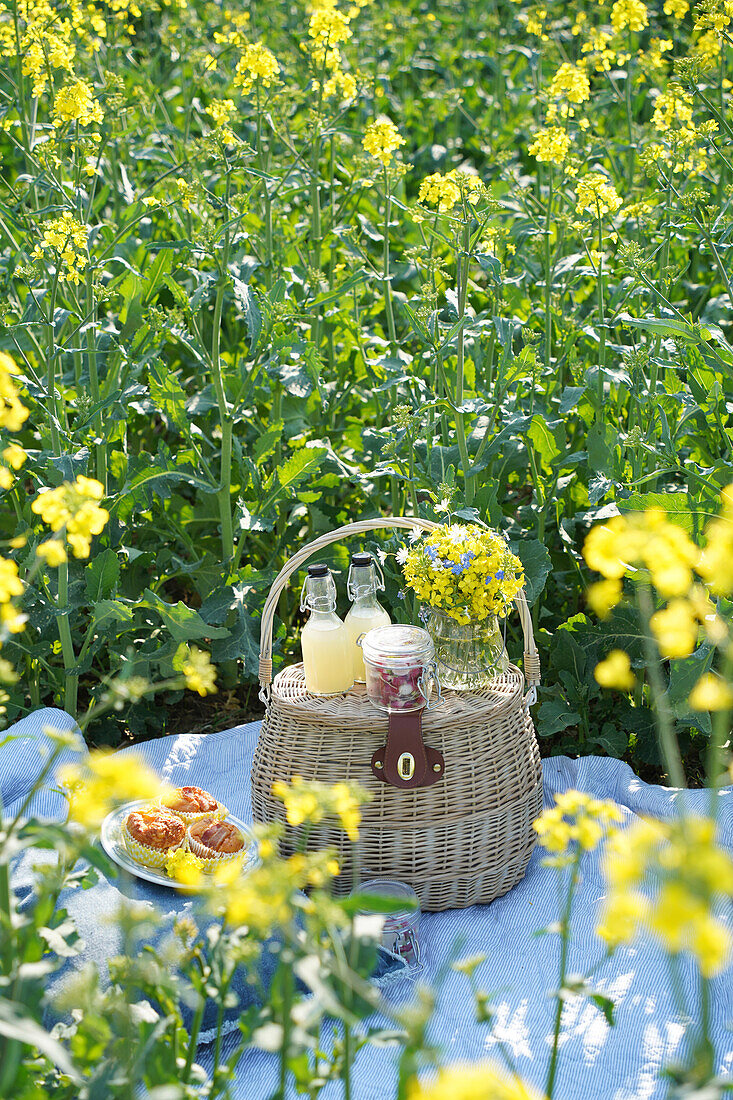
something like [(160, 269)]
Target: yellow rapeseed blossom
[(13, 412), (67, 239), (615, 671), (340, 84), (267, 897), (595, 193), (11, 620), (571, 83), (184, 867), (14, 455), (551, 145), (576, 823), (10, 583), (103, 781), (382, 139), (75, 102), (678, 9), (672, 108), (483, 1081), (465, 570), (623, 544), (675, 628), (6, 478), (445, 191), (257, 65), (309, 803), (73, 507), (599, 51), (199, 672), (631, 14), (716, 560), (603, 596), (667, 880), (711, 693), (52, 552)]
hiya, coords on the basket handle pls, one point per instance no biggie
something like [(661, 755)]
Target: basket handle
[(531, 656)]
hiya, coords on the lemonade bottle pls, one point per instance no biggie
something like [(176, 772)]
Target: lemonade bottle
[(327, 659), (366, 612)]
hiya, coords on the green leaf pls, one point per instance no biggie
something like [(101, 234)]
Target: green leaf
[(109, 611), (606, 1006), (102, 575), (14, 1024), (676, 505), (535, 559), (183, 623), (554, 716), (600, 443), (244, 296), (543, 440)]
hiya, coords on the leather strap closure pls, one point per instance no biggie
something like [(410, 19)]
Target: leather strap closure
[(406, 761)]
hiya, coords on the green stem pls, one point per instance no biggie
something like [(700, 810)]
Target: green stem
[(71, 680), (462, 262), (601, 324), (287, 997), (548, 277), (668, 745), (100, 445), (387, 289), (564, 944)]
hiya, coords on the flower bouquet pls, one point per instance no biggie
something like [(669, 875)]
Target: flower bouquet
[(466, 576)]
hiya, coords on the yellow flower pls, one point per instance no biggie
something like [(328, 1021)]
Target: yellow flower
[(643, 539), (184, 867), (199, 672), (76, 103), (629, 13), (256, 65), (595, 193), (382, 139), (340, 84), (6, 478), (711, 693), (483, 1081), (678, 9), (551, 145), (103, 781), (13, 413), (716, 561), (685, 875), (615, 671), (571, 83), (603, 596), (72, 507), (676, 628), (10, 583), (67, 238), (221, 110), (311, 802), (11, 619), (52, 552), (577, 821), (14, 455)]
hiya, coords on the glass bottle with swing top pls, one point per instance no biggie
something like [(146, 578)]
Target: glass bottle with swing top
[(327, 661), (364, 581)]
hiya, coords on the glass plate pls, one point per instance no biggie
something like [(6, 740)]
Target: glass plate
[(114, 846)]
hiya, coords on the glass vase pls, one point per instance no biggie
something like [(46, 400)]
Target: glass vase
[(468, 655)]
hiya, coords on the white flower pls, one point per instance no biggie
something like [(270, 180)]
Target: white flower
[(401, 555), (456, 533), (443, 505), (415, 535), (382, 556)]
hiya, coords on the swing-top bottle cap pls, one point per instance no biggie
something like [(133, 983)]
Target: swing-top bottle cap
[(320, 569), (361, 560)]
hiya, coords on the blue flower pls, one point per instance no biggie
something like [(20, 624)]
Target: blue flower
[(500, 575), (455, 567), (467, 558), (432, 552), (401, 594)]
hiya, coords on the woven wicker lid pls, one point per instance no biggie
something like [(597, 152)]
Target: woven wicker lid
[(289, 693)]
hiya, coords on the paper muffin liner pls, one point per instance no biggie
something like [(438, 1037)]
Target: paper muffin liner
[(190, 817), (210, 862), (143, 853)]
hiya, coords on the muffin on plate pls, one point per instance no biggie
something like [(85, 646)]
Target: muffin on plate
[(215, 842), (192, 804), (151, 834)]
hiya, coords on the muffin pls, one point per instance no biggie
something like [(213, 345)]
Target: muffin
[(150, 835), (192, 804), (215, 842)]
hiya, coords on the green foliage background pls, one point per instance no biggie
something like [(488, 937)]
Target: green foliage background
[(226, 368)]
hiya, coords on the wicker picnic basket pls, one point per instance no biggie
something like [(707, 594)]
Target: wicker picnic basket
[(463, 840)]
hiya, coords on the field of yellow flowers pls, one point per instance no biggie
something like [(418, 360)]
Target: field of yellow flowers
[(270, 267)]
